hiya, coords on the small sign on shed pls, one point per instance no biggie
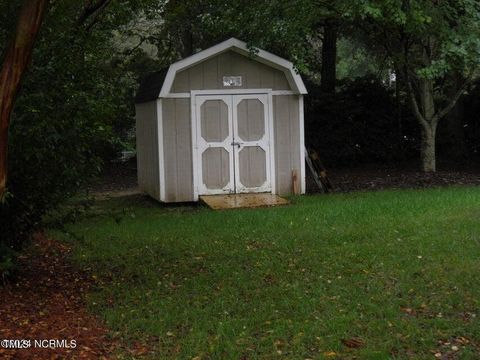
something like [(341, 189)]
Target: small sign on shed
[(229, 81)]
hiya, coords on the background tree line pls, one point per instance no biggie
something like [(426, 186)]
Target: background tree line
[(384, 76)]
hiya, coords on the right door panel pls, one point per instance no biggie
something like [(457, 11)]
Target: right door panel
[(252, 151)]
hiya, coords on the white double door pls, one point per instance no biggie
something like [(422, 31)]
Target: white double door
[(233, 144)]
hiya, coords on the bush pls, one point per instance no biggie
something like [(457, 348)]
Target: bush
[(63, 124), (8, 259), (359, 124), (471, 122), (52, 154)]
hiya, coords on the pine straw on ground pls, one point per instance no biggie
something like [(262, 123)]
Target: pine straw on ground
[(371, 178), (46, 301)]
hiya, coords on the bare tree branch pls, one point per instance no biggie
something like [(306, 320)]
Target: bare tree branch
[(411, 92), (92, 9), (414, 103), (453, 101)]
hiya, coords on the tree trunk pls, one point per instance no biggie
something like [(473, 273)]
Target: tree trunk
[(17, 58), (428, 153), (427, 115), (187, 44), (426, 99), (329, 57), (428, 148)]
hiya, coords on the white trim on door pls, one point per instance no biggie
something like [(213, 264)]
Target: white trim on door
[(193, 120), (161, 159), (302, 144), (230, 91), (203, 145), (187, 95), (176, 96), (217, 94), (263, 143), (271, 134)]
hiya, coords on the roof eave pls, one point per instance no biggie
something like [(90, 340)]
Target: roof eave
[(263, 56)]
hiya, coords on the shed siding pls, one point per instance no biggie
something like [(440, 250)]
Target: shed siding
[(287, 140), (209, 74), (178, 146), (147, 148), (177, 141)]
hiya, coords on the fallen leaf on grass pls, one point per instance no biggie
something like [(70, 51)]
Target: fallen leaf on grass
[(462, 340), (330, 353), (139, 350), (353, 343), (408, 311), (39, 306)]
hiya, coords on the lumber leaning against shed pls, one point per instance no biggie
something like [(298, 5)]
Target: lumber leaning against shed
[(318, 171)]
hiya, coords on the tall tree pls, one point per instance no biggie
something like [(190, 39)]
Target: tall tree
[(17, 57), (329, 56), (428, 40), (73, 105)]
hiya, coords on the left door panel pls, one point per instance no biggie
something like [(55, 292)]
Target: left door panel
[(214, 142)]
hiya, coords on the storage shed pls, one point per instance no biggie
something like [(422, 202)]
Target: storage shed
[(221, 122)]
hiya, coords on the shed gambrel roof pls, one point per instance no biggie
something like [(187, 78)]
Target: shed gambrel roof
[(240, 47), (164, 83)]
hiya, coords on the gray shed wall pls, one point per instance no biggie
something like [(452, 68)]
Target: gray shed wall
[(286, 123), (177, 126), (147, 148), (209, 74), (177, 142)]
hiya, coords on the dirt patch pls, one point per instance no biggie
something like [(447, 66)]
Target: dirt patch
[(120, 179), (46, 302), (371, 178), (116, 177)]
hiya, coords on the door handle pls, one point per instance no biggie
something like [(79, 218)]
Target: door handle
[(234, 143)]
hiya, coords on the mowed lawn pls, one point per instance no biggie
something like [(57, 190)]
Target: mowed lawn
[(379, 275)]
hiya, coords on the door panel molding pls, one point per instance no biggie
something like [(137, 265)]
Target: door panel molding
[(202, 145), (262, 143), (232, 144)]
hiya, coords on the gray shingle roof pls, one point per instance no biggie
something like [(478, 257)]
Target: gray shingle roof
[(150, 86)]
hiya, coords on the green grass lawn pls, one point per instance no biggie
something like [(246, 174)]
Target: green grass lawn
[(398, 269)]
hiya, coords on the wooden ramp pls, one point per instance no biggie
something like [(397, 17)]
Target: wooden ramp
[(235, 201)]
